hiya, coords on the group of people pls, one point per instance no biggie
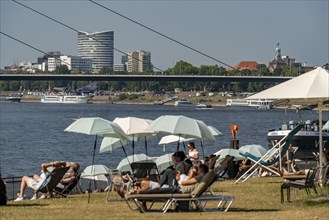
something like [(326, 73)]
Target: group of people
[(181, 177), (38, 179)]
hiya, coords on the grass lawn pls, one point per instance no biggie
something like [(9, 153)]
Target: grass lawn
[(257, 198)]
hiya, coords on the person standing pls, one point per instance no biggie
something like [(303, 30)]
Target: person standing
[(193, 153)]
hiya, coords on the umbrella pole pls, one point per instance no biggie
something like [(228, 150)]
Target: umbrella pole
[(178, 143), (133, 148), (202, 148), (92, 163), (145, 146), (320, 135), (124, 151)]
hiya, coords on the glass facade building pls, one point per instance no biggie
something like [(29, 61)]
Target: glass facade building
[(98, 46)]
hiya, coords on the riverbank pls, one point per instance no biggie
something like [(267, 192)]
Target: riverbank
[(257, 198), (148, 99)]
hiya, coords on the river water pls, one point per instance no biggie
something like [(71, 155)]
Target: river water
[(33, 133)]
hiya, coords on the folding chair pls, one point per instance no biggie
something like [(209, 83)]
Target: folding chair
[(52, 179), (69, 188), (273, 156), (307, 184)]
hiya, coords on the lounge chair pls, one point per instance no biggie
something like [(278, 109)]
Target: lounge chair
[(197, 199), (307, 184), (52, 179), (69, 188), (145, 169), (272, 157)]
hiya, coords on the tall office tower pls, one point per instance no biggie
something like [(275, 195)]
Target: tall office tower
[(139, 61), (98, 46)]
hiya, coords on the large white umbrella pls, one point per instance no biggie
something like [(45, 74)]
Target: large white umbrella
[(174, 138), (254, 149), (214, 131), (109, 144), (135, 128), (163, 162), (95, 170), (311, 85), (124, 164), (96, 126), (229, 151), (181, 126)]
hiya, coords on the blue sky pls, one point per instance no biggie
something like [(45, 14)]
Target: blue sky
[(229, 31)]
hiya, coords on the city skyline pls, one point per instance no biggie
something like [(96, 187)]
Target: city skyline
[(228, 31)]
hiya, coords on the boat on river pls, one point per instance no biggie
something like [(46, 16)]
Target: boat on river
[(184, 103), (259, 104), (203, 106), (306, 140), (66, 99)]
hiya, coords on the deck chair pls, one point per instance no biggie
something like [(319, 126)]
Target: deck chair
[(223, 166), (69, 188), (273, 156), (307, 184), (145, 169), (52, 179), (197, 199), (117, 183)]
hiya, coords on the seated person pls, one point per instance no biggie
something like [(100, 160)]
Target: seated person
[(183, 187), (299, 172), (37, 180), (3, 192), (70, 176), (193, 172)]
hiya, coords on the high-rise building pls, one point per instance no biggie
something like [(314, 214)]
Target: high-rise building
[(139, 61), (77, 63), (98, 46)]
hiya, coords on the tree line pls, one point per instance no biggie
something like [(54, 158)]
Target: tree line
[(180, 68)]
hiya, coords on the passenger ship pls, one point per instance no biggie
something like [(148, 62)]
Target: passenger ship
[(66, 99), (184, 103), (260, 104)]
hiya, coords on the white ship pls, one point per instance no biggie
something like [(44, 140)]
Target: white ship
[(183, 103), (260, 104), (66, 99)]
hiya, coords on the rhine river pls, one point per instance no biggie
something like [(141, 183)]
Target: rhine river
[(33, 133)]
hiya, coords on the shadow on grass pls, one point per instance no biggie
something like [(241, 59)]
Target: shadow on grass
[(252, 210), (317, 201), (26, 205)]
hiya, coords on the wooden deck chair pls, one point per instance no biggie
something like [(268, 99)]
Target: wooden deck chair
[(52, 179), (273, 156), (197, 199)]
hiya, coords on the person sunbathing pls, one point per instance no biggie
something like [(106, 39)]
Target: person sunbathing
[(37, 180)]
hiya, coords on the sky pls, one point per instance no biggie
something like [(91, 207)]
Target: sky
[(229, 31)]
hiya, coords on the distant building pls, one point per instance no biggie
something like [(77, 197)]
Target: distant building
[(98, 46), (52, 63), (77, 63), (43, 61), (279, 60), (247, 65), (119, 68), (124, 59), (139, 61)]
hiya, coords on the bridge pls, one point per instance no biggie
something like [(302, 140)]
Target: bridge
[(157, 78)]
